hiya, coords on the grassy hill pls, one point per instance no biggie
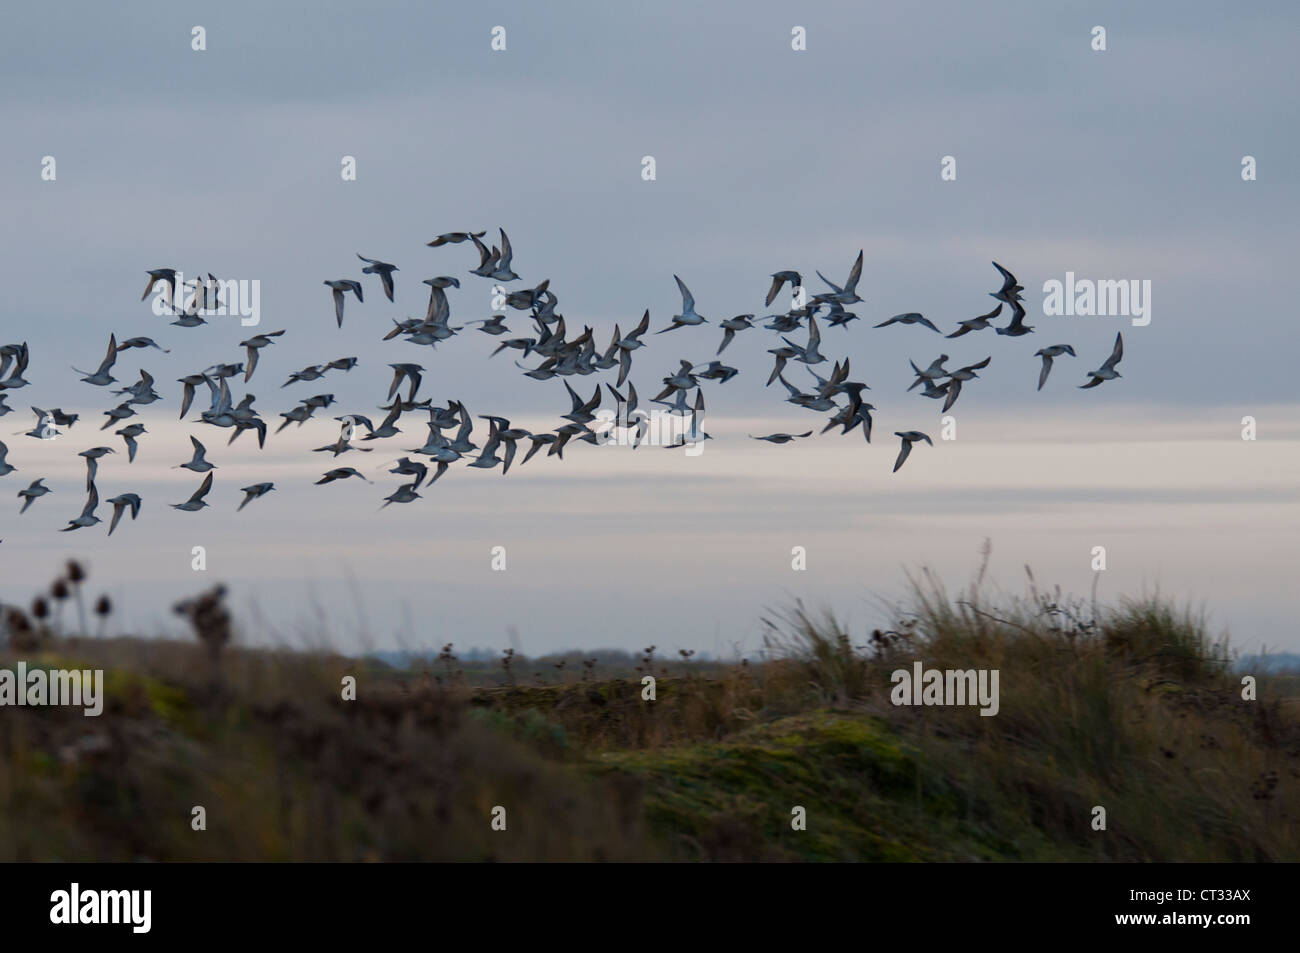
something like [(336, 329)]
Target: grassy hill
[(1134, 708)]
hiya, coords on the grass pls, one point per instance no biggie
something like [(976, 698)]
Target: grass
[(1135, 708)]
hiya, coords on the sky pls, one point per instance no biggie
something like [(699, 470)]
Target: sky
[(1123, 163)]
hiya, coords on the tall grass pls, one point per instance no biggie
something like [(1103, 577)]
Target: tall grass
[(1134, 708)]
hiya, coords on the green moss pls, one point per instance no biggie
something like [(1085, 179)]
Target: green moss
[(857, 780), (529, 725)]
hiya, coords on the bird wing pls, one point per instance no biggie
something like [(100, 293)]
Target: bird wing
[(902, 454), (1116, 354), (836, 288), (688, 300), (644, 326), (774, 290), (338, 305), (111, 357), (856, 273), (202, 491)]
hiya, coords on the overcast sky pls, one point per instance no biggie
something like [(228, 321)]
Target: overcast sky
[(1122, 164)]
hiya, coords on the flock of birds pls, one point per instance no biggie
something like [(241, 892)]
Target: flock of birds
[(450, 427)]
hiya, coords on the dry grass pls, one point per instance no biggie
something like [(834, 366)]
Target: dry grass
[(1135, 708)]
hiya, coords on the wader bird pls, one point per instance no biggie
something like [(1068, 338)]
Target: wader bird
[(1107, 371)]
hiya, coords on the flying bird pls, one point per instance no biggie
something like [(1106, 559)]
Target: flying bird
[(1047, 353), (454, 238), (910, 317), (1107, 370), (410, 372), (1017, 327), (87, 517), (849, 293), (195, 502), (340, 473), (166, 276), (688, 315), (909, 437), (408, 467), (339, 288), (92, 462), (809, 354), (129, 433), (504, 257), (960, 376), (730, 326), (494, 325), (198, 463), (47, 422), (253, 347), (254, 492), (102, 377), (977, 323), (311, 373), (30, 495), (141, 342), (120, 504), (779, 278), (935, 372), (403, 494), (1011, 288), (120, 412), (381, 268), (190, 381)]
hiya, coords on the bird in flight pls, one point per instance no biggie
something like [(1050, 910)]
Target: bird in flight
[(121, 503), (383, 269), (102, 377), (911, 317), (195, 502), (129, 433), (92, 462), (198, 463), (87, 517), (454, 238), (849, 293), (253, 492), (779, 278), (1107, 370), (253, 347), (339, 288), (977, 323), (688, 315), (165, 276), (35, 491), (909, 437), (340, 473), (1047, 353)]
